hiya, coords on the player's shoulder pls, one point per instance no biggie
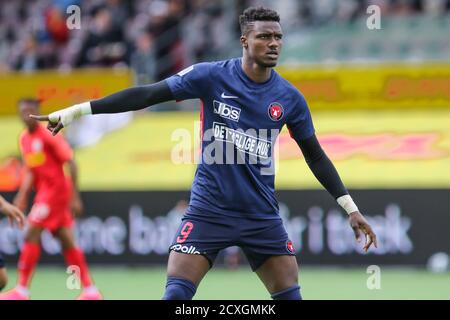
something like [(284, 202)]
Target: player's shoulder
[(197, 69), (23, 134), (291, 90), (219, 66), (210, 68), (223, 64), (225, 68), (289, 87)]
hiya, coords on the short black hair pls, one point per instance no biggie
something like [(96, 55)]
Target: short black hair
[(29, 100), (252, 14)]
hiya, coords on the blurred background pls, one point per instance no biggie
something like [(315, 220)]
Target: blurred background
[(379, 91)]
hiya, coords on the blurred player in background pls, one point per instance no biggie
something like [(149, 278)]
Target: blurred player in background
[(233, 202), (14, 215), (56, 199)]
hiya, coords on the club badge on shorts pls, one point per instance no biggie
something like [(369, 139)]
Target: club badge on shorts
[(290, 246), (276, 111)]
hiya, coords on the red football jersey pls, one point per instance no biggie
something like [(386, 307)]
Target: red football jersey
[(45, 156)]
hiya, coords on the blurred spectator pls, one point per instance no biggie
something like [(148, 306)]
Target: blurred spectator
[(384, 6), (55, 22), (403, 7), (435, 7), (104, 44), (34, 35), (169, 43), (208, 20), (120, 12), (29, 59), (143, 59)]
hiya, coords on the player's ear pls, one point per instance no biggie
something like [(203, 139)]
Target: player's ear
[(244, 42)]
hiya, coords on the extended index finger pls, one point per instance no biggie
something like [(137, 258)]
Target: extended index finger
[(40, 118)]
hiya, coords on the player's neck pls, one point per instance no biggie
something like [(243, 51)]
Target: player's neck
[(32, 129), (255, 71)]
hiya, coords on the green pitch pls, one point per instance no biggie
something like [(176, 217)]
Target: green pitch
[(221, 284)]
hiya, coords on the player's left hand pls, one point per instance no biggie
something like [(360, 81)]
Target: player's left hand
[(13, 213), (359, 224), (76, 205)]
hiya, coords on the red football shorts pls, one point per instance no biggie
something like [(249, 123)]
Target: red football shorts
[(51, 216)]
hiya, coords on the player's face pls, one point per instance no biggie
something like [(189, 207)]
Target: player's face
[(263, 43), (25, 109)]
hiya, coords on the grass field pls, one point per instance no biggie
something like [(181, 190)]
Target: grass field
[(221, 284)]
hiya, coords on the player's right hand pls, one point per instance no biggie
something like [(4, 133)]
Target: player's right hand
[(13, 213), (54, 123), (64, 117)]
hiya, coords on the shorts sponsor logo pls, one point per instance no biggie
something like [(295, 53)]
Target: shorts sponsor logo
[(226, 111), (184, 249), (276, 111)]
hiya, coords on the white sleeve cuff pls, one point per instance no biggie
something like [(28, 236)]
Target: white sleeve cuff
[(67, 115), (85, 108), (346, 202)]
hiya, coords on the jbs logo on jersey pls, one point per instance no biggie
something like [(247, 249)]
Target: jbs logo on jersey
[(226, 111)]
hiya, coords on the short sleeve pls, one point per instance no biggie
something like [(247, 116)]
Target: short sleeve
[(191, 83), (300, 123)]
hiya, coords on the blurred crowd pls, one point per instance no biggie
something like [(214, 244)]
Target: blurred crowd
[(148, 35), (156, 37), (317, 12)]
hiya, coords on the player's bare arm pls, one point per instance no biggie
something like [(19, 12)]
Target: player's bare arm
[(130, 99), (76, 202), (23, 195), (12, 212), (325, 172)]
